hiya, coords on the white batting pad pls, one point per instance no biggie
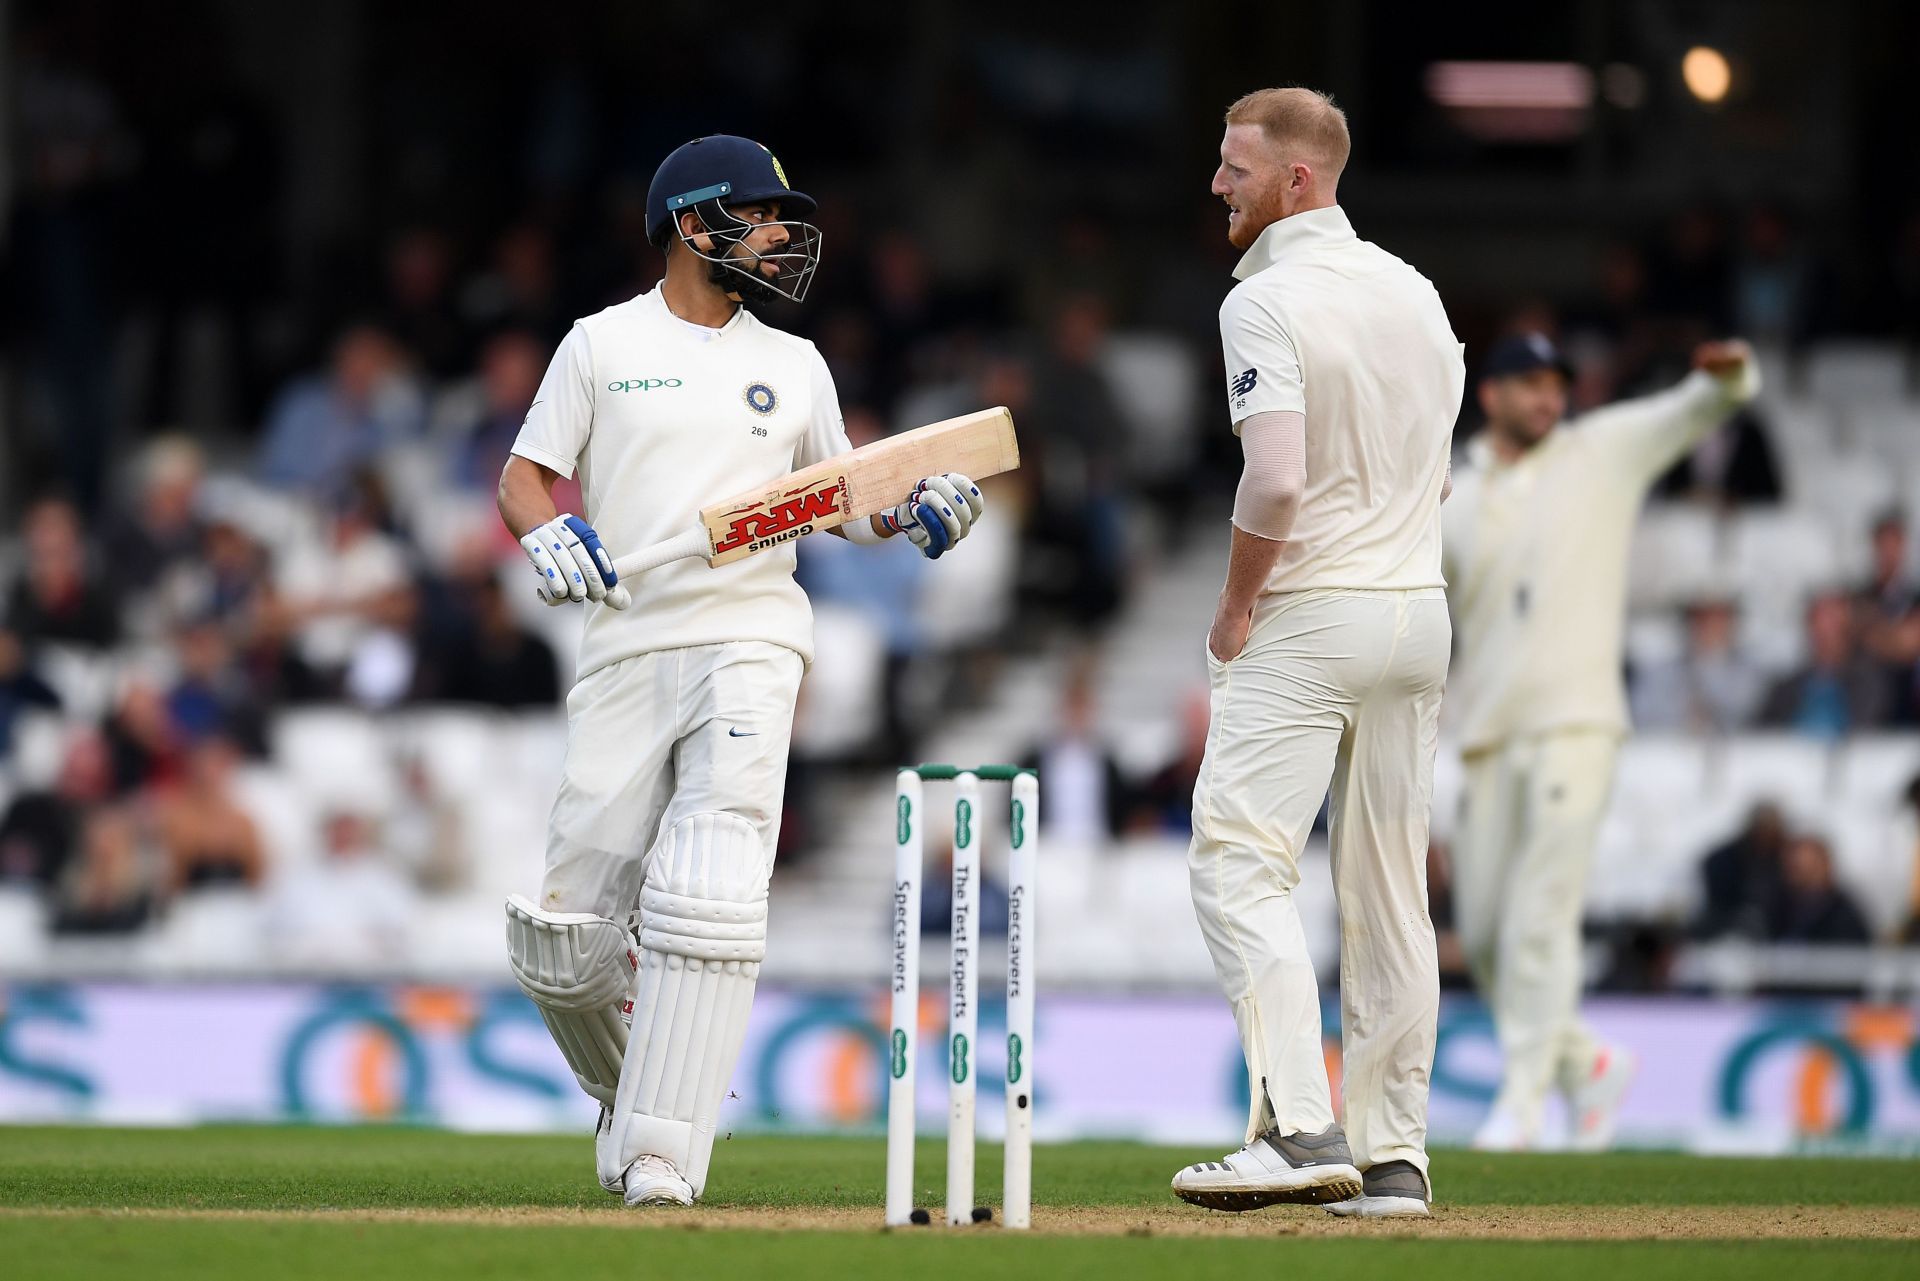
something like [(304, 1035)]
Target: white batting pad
[(703, 932), (579, 969)]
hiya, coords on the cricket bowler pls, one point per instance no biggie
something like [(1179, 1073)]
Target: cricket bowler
[(1537, 539), (652, 913), (1327, 657)]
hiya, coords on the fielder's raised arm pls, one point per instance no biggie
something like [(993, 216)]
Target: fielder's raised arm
[(1647, 435)]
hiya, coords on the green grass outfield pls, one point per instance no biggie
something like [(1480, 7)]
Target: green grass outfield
[(373, 1204)]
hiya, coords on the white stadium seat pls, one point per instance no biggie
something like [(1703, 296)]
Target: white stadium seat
[(1776, 370), (840, 698), (1873, 860), (1793, 770), (1890, 432), (984, 578), (23, 930), (1782, 556), (1800, 430), (215, 931), (1848, 489), (1653, 639), (1618, 884), (1856, 371), (39, 749), (1663, 817), (504, 836), (1875, 769), (1449, 784), (287, 819), (86, 680), (1773, 633), (1155, 381), (338, 757), (1660, 773), (535, 746), (457, 747)]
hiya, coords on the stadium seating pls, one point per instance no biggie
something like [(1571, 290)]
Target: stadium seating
[(1848, 435)]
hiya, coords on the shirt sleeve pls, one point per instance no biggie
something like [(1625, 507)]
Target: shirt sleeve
[(1263, 365), (827, 429), (1644, 437), (554, 433)]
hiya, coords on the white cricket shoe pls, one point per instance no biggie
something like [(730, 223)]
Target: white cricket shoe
[(1393, 1190), (1274, 1169), (653, 1180), (1593, 1106)]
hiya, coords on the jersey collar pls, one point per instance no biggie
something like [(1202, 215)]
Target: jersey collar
[(658, 297), (1290, 236)]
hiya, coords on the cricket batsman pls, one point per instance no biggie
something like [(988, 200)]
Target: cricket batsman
[(644, 947), (1327, 657), (1537, 538)]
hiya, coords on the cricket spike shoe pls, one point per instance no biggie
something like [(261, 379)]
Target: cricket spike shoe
[(653, 1180), (1593, 1106), (1274, 1169), (1393, 1190)]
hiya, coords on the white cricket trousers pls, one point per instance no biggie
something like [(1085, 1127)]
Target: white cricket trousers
[(1341, 688), (1530, 816), (653, 740)]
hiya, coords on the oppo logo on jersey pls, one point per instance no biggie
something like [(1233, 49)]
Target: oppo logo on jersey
[(790, 518), (641, 384)]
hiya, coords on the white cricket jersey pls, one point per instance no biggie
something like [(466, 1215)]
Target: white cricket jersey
[(661, 419), (1338, 329), (1536, 561)]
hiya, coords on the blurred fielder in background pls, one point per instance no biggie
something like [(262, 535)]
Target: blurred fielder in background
[(679, 723), (1327, 657), (1537, 536)]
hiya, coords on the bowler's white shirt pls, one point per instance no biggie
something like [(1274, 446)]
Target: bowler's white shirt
[(1336, 328), (1536, 560), (662, 419)]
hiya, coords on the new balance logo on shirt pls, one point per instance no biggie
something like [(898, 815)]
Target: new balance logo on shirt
[(1243, 382)]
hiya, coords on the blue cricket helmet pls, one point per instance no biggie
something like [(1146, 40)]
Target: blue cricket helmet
[(712, 175), (734, 170)]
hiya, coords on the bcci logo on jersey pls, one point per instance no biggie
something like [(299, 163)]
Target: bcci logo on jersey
[(761, 399), (764, 525)]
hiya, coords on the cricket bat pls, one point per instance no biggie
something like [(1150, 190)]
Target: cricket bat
[(850, 486)]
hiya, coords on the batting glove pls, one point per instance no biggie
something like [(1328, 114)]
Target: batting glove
[(938, 513), (572, 564)]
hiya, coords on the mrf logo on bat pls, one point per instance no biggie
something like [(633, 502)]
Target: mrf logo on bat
[(791, 516)]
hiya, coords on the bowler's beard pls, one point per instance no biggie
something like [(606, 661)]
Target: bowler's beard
[(1523, 437), (1252, 223)]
